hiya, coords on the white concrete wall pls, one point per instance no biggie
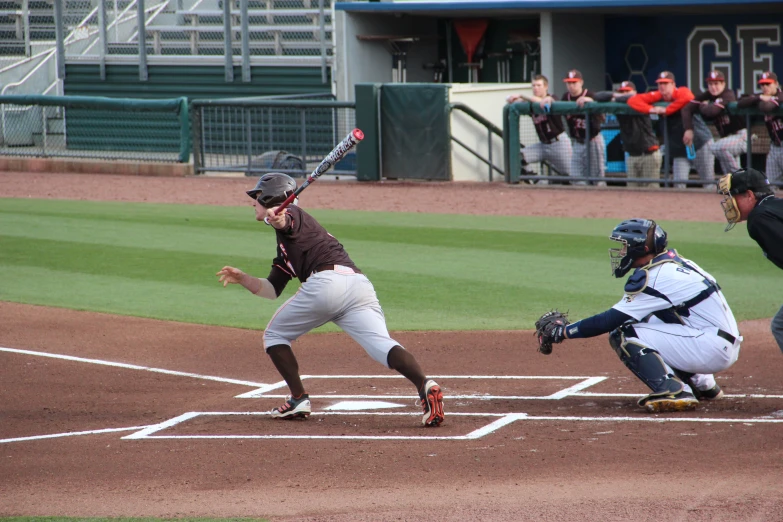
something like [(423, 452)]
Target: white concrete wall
[(358, 61), (488, 99)]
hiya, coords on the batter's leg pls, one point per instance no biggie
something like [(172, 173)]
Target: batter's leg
[(405, 363), (288, 367), (777, 328)]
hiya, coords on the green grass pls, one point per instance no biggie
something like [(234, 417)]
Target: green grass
[(431, 271)]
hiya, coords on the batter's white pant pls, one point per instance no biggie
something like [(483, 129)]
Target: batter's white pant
[(341, 296), (557, 153), (579, 167), (700, 352), (704, 165), (774, 168), (728, 150)]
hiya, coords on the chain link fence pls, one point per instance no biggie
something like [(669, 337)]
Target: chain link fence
[(553, 150), (256, 136), (94, 127)]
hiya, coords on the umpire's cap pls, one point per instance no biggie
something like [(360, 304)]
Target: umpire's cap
[(743, 180), (272, 189)]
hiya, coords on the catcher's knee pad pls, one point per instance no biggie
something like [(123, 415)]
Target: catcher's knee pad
[(644, 362)]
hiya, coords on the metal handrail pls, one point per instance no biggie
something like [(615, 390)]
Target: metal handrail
[(491, 129)]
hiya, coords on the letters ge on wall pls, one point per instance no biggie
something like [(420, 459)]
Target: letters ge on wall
[(745, 54)]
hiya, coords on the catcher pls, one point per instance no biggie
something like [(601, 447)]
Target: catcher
[(673, 328)]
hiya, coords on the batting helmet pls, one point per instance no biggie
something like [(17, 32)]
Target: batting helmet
[(639, 238), (272, 189)]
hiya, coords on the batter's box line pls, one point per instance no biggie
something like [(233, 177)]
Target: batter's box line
[(571, 390), (502, 420)]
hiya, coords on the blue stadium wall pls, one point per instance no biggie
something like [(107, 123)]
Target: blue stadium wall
[(742, 46)]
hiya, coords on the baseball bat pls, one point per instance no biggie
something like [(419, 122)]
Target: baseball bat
[(328, 162)]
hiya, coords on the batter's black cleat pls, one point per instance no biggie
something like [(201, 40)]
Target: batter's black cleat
[(665, 402), (712, 394), (293, 408), (431, 400)]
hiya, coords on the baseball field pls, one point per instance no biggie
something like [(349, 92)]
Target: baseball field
[(132, 384)]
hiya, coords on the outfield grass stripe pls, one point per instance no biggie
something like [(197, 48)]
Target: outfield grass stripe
[(430, 271)]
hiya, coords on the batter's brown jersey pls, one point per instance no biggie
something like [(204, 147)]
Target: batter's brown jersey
[(303, 246)]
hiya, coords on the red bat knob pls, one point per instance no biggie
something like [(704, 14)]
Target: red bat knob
[(358, 134)]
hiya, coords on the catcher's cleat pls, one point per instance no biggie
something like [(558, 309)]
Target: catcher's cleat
[(431, 401), (712, 394), (665, 402), (293, 408)]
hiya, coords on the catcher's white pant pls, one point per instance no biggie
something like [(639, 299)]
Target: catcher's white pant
[(728, 150), (774, 168), (704, 165), (579, 167), (341, 296), (701, 352), (557, 153)]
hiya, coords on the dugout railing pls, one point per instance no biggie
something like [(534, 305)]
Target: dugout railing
[(514, 132), (246, 135), (94, 127)]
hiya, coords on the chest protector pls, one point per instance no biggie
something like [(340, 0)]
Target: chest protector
[(637, 284)]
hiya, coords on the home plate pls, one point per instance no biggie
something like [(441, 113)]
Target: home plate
[(363, 405)]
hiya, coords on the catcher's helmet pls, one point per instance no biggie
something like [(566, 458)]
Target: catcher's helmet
[(272, 189), (639, 238)]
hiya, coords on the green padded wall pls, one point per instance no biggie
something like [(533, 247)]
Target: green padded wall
[(170, 81)]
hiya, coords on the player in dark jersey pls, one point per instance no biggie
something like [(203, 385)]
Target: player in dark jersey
[(333, 289), (712, 104), (554, 146), (769, 101), (577, 129), (638, 138), (748, 196)]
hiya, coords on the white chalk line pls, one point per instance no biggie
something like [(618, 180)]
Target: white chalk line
[(500, 421), (71, 434), (134, 367)]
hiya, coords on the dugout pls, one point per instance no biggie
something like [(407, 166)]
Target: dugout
[(607, 40)]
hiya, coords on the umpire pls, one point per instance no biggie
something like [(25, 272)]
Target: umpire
[(748, 196)]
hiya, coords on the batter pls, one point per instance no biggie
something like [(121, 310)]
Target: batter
[(333, 289)]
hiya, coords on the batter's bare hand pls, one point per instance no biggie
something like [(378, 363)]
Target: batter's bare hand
[(229, 274), (687, 138), (276, 220)]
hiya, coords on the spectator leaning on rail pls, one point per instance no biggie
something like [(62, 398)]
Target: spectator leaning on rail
[(769, 102), (554, 146), (678, 97), (712, 104), (577, 129), (638, 137), (747, 196)]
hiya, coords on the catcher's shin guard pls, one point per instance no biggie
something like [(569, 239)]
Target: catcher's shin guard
[(668, 390)]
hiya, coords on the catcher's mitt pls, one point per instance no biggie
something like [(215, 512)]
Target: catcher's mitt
[(550, 328)]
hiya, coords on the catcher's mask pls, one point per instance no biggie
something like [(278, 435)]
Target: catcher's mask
[(272, 189), (639, 237)]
